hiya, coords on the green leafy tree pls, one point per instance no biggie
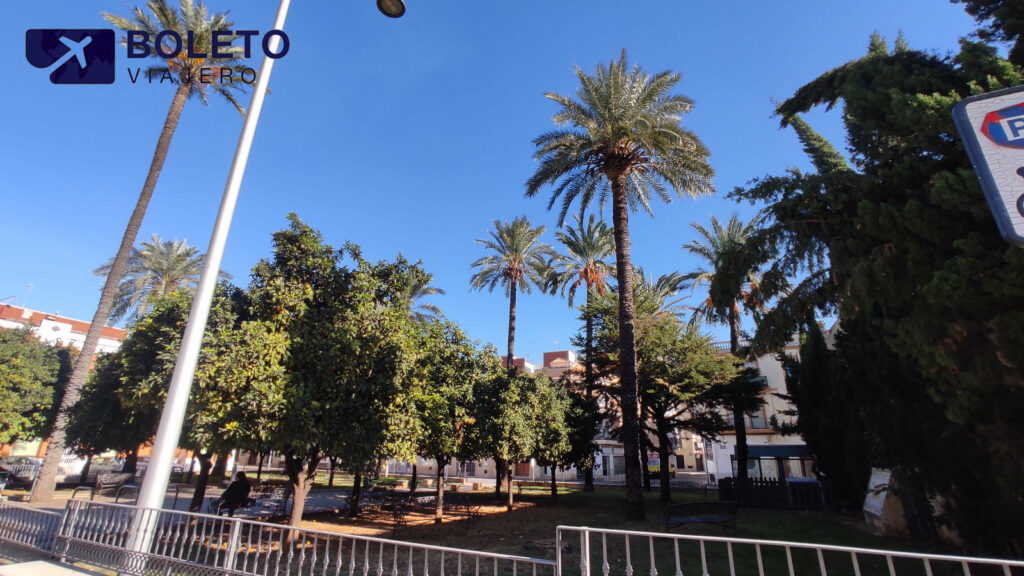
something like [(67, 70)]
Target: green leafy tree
[(833, 432), (682, 377), (623, 136), (449, 368), (32, 376), (518, 261), (554, 422), (193, 21), (732, 261), (239, 390), (350, 352), (155, 269), (1001, 21), (925, 287), (505, 419), (100, 421), (588, 249)]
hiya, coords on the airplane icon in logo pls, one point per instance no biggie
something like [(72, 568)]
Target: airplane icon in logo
[(72, 56)]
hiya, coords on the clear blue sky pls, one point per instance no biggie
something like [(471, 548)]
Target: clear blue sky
[(407, 136)]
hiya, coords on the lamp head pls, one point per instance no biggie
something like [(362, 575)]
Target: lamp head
[(391, 8)]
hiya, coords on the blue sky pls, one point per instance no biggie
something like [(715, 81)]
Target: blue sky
[(408, 135)]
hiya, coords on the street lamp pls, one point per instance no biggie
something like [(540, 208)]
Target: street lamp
[(154, 487), (391, 8)]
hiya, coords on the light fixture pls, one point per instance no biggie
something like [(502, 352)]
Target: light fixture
[(391, 8)]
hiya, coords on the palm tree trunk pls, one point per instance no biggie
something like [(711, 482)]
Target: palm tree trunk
[(510, 359), (47, 480), (588, 378), (627, 351), (738, 417)]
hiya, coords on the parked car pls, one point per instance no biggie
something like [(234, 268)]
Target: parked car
[(20, 470), (143, 464)]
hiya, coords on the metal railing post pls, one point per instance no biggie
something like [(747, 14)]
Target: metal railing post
[(558, 551), (233, 540)]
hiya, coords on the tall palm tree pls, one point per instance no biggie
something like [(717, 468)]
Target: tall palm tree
[(623, 135), (732, 286), (156, 268), (190, 19), (588, 248), (518, 262)]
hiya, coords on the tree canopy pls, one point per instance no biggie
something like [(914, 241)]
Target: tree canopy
[(32, 378), (901, 242)]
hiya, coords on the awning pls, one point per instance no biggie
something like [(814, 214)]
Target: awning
[(779, 451)]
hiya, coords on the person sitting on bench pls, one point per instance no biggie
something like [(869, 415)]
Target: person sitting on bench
[(235, 497)]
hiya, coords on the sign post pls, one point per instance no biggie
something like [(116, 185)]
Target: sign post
[(992, 128)]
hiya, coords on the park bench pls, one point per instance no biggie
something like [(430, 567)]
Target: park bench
[(273, 498), (112, 481), (520, 484), (707, 512)]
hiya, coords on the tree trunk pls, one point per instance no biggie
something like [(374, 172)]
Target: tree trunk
[(508, 504), (510, 358), (259, 467), (627, 350), (219, 468), (47, 479), (357, 491), (439, 498), (554, 485), (499, 471), (663, 478), (648, 487), (131, 461), (297, 470), (738, 416), (204, 476), (330, 476), (588, 379), (414, 479)]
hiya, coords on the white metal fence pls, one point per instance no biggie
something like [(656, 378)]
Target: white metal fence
[(181, 542), (592, 552), (26, 533), (101, 534)]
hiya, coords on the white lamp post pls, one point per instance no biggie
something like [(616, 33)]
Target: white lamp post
[(154, 487)]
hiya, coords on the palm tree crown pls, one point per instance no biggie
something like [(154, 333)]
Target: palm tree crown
[(625, 123), (414, 294), (519, 259), (193, 20), (588, 249), (156, 268), (731, 276)]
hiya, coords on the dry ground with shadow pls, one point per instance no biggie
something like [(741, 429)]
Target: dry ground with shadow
[(529, 530)]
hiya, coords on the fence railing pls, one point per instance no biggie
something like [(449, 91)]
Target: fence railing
[(773, 493), (591, 552), (180, 542), (26, 533), (133, 540)]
